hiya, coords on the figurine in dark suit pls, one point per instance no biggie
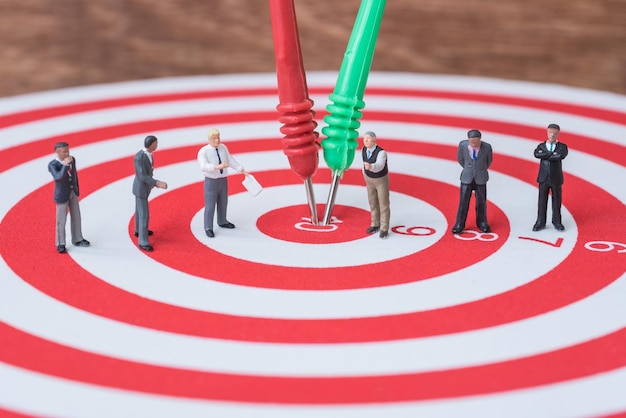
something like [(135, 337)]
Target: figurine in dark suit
[(475, 157), (142, 185), (550, 178), (66, 192)]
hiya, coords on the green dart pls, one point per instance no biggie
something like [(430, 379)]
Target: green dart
[(347, 98)]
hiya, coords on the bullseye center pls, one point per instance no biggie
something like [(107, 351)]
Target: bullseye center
[(293, 224)]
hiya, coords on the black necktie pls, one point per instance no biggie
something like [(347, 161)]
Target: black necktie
[(219, 159)]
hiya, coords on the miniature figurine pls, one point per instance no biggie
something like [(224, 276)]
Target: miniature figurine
[(142, 185), (475, 157), (376, 175), (550, 178), (66, 192), (214, 159)]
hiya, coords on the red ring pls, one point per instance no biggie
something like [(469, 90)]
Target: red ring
[(602, 355), (27, 116), (172, 215), (22, 153), (93, 295)]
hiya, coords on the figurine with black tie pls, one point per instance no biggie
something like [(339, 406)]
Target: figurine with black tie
[(214, 160), (550, 178), (475, 157)]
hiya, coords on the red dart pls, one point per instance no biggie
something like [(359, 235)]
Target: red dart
[(300, 138)]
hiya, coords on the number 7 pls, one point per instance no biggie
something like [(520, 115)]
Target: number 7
[(557, 244)]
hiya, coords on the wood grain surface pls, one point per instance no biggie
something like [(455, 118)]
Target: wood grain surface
[(52, 44)]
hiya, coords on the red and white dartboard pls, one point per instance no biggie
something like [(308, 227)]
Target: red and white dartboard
[(280, 318)]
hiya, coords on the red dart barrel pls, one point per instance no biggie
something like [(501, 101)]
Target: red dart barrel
[(300, 139)]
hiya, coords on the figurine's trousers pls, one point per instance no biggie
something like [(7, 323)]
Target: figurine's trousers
[(142, 218), (215, 195), (378, 197), (61, 220), (480, 193), (546, 188)]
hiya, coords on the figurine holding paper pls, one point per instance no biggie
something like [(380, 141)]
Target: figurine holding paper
[(214, 160)]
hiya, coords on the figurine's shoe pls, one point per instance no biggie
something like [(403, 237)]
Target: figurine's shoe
[(227, 225), (484, 228), (372, 229), (82, 243), (384, 234), (210, 233), (147, 248), (559, 227), (538, 226), (457, 229), (61, 249)]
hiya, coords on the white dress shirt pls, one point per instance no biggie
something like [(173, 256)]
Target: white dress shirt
[(207, 159), (471, 149), (149, 154), (549, 145)]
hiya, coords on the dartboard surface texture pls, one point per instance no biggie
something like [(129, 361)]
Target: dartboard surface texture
[(283, 318)]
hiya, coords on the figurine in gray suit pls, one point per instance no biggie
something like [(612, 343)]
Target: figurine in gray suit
[(65, 175), (142, 185), (475, 157)]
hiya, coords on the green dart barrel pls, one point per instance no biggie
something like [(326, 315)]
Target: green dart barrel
[(347, 98)]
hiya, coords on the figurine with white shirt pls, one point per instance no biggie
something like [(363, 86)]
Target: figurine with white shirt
[(214, 160)]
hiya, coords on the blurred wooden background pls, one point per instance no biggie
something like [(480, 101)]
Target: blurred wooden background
[(51, 44)]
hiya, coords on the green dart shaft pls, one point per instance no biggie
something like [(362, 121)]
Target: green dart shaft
[(347, 98)]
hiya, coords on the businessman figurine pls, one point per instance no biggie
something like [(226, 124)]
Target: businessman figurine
[(66, 192), (214, 160), (550, 178), (475, 157), (142, 185)]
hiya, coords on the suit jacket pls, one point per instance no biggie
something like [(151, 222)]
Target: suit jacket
[(550, 167), (143, 182), (474, 170), (64, 183)]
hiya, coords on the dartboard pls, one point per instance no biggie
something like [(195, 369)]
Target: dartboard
[(283, 317)]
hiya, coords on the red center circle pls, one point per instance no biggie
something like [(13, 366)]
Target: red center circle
[(293, 224)]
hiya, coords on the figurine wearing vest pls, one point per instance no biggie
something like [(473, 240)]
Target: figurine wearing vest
[(376, 175)]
